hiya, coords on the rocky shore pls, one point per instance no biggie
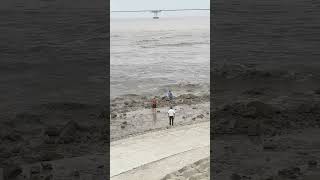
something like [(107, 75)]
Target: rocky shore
[(132, 114)]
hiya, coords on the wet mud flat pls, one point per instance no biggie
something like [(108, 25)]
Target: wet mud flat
[(265, 122), (132, 114)]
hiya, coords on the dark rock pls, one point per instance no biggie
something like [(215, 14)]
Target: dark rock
[(113, 115), (200, 116)]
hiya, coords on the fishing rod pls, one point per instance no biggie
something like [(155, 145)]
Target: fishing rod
[(156, 12)]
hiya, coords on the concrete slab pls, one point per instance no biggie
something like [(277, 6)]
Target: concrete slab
[(134, 152), (158, 169)]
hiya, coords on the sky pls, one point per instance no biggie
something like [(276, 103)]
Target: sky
[(117, 5)]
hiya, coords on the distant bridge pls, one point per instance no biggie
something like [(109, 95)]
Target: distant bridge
[(156, 12)]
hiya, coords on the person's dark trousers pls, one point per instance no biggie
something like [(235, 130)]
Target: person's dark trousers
[(171, 120)]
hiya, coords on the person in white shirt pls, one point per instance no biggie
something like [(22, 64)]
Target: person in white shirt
[(171, 115)]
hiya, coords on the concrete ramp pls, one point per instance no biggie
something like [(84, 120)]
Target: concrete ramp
[(155, 154)]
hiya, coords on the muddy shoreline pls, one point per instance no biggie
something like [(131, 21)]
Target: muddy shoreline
[(133, 115)]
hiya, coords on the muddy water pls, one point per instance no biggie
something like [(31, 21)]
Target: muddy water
[(150, 56)]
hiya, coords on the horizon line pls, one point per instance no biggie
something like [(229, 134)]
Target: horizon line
[(159, 10)]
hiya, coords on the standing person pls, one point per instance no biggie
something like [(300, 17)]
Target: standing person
[(154, 103), (170, 95), (154, 109), (171, 115)]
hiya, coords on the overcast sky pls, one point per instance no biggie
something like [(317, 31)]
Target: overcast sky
[(116, 5)]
